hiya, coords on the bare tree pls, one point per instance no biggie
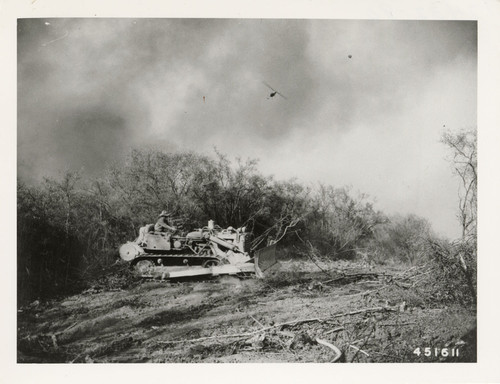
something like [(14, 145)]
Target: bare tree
[(463, 147), (403, 238), (464, 161), (342, 221)]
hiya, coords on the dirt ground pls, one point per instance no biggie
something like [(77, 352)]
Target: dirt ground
[(369, 314)]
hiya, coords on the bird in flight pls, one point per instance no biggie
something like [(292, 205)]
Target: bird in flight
[(274, 91), (349, 56)]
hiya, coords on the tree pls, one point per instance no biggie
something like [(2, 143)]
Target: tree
[(463, 146), (341, 222), (230, 194), (48, 246), (403, 238), (284, 208)]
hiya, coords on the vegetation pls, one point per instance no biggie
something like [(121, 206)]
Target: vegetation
[(69, 230)]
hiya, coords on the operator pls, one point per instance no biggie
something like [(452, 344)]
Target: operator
[(163, 224)]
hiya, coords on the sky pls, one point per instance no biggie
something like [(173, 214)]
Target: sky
[(365, 101)]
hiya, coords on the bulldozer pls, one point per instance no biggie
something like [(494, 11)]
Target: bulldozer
[(210, 250)]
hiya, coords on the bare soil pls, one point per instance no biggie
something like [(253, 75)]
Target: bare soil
[(371, 314)]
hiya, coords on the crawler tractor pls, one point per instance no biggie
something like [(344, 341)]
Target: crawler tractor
[(208, 250)]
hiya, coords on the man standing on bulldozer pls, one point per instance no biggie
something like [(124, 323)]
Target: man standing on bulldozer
[(163, 224)]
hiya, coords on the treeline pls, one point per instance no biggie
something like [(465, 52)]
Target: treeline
[(70, 229)]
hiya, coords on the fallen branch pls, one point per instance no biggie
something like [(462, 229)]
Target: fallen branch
[(71, 326), (280, 325), (359, 350), (54, 342), (334, 330), (417, 282), (402, 285), (257, 321), (421, 274), (217, 337), (404, 273), (364, 293), (356, 276), (338, 354), (374, 309), (396, 324), (77, 357), (297, 322)]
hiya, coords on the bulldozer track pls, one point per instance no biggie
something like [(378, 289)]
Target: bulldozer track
[(156, 255), (146, 263), (165, 259)]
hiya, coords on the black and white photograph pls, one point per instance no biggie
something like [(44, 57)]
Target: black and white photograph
[(212, 190)]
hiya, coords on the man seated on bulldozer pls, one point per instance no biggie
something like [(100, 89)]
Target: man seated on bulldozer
[(163, 224)]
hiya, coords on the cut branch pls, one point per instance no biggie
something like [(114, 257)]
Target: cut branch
[(359, 350), (338, 354), (280, 325)]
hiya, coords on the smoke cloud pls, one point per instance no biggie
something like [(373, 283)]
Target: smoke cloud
[(90, 89)]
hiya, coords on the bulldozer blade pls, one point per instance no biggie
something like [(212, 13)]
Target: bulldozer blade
[(264, 259), (226, 269), (193, 271)]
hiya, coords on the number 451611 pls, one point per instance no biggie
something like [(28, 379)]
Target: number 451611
[(436, 352)]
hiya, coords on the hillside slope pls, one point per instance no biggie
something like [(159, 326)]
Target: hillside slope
[(371, 315)]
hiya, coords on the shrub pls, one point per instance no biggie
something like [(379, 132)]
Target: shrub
[(455, 269), (402, 239)]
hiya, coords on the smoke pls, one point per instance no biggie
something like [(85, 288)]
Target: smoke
[(172, 82), (90, 89)]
